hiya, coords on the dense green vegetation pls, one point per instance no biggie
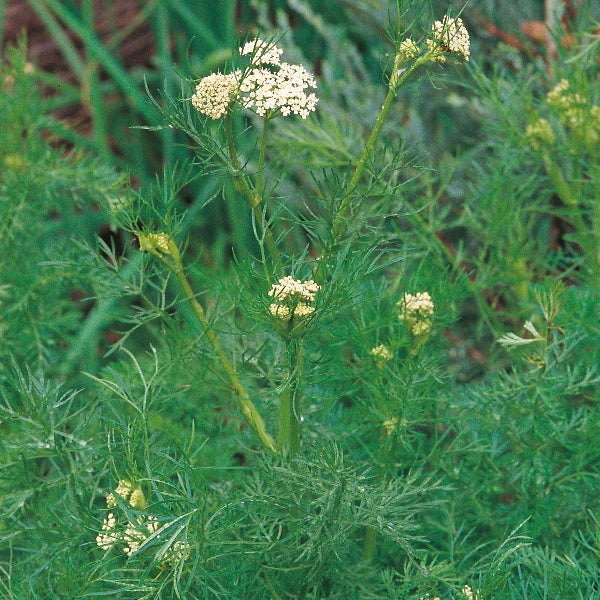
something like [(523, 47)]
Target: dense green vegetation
[(348, 352)]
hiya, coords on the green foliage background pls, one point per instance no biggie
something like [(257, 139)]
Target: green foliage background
[(490, 475)]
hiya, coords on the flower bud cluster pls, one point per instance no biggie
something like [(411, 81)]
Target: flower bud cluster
[(416, 311), (267, 86), (407, 50), (293, 298), (575, 112), (129, 493), (215, 93), (389, 425), (540, 134), (156, 243), (382, 353)]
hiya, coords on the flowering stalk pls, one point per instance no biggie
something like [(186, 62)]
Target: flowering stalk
[(339, 225), (291, 308), (164, 248), (449, 35)]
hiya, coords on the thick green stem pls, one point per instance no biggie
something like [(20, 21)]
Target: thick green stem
[(368, 551), (290, 401), (289, 423)]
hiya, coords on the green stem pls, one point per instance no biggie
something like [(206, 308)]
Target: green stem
[(247, 407), (396, 81), (261, 162), (339, 225), (253, 198), (290, 404), (370, 544)]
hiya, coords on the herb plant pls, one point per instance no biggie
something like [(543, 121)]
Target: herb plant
[(385, 387)]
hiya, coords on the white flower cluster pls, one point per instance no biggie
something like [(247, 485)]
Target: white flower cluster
[(264, 90), (215, 93), (108, 537), (450, 35), (266, 86), (416, 312), (382, 352), (261, 52), (293, 298), (134, 534)]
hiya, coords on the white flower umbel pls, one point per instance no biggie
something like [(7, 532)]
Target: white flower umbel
[(215, 93), (450, 35), (264, 90), (416, 311), (292, 298), (261, 52), (382, 352), (267, 86)]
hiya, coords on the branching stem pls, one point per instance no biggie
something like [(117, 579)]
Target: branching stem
[(173, 261)]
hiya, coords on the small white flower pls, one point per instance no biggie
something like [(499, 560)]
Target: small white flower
[(108, 537), (262, 53)]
